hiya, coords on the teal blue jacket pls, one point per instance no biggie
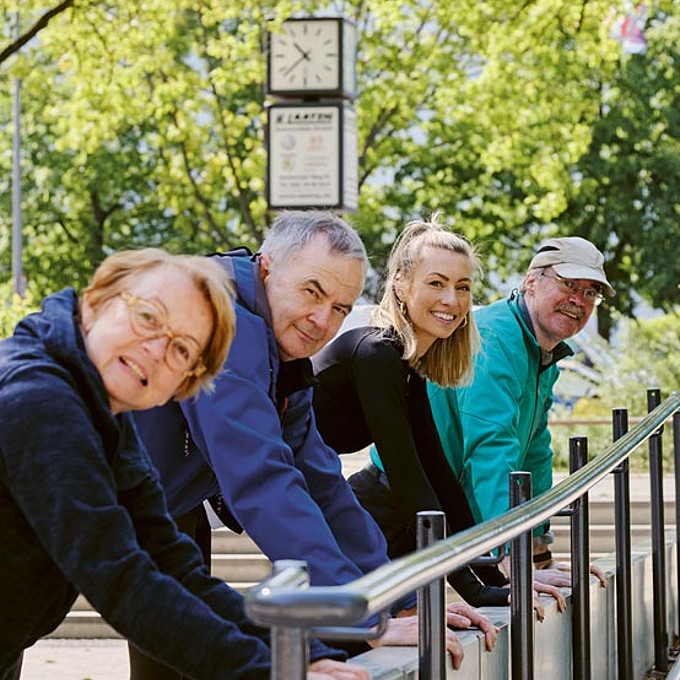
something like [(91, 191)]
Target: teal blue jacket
[(499, 423)]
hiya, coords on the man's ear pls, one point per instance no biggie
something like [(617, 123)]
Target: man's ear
[(265, 266), (529, 285)]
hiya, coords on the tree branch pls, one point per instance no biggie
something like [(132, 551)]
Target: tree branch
[(34, 30), (240, 193), (69, 235)]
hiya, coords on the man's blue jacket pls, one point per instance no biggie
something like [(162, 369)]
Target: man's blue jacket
[(254, 439)]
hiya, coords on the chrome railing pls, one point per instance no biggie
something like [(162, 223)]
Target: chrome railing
[(291, 610)]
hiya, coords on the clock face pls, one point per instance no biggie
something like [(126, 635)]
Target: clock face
[(305, 55)]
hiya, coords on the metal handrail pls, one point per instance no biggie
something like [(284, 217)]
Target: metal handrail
[(350, 604)]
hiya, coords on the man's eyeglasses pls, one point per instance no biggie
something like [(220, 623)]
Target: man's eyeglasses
[(590, 295), (148, 320)]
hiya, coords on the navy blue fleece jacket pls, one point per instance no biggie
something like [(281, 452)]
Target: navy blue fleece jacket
[(81, 510)]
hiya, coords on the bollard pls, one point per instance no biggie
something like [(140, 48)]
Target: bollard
[(580, 569), (521, 587), (290, 646), (624, 614), (658, 540), (431, 527)]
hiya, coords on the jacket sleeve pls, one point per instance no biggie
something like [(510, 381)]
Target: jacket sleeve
[(67, 490), (355, 530), (269, 493), (488, 419), (176, 555), (381, 384)]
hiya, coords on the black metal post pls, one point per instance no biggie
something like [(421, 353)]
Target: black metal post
[(521, 587), (580, 569), (658, 540), (676, 458), (624, 613), (431, 527)]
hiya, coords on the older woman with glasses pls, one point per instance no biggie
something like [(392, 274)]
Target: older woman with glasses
[(81, 509)]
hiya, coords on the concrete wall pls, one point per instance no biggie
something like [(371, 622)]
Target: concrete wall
[(552, 652)]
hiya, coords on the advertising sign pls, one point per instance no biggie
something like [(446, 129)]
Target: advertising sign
[(312, 159)]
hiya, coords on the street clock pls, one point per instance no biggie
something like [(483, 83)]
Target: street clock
[(312, 57)]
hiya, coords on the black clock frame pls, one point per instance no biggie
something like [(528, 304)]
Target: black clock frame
[(333, 93)]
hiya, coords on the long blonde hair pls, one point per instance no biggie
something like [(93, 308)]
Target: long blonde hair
[(449, 361)]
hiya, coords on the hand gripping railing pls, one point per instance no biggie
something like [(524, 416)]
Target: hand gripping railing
[(281, 604)]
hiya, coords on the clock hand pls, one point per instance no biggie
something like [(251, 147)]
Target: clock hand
[(305, 55), (293, 65)]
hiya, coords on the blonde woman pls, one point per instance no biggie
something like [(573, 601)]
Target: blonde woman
[(371, 389)]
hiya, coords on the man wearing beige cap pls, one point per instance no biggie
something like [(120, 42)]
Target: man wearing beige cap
[(499, 423)]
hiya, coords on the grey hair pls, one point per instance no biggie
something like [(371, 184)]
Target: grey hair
[(536, 272), (294, 229)]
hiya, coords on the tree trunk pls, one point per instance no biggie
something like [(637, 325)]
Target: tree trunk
[(604, 322)]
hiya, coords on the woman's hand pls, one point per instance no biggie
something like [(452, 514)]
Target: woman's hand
[(462, 615), (403, 631)]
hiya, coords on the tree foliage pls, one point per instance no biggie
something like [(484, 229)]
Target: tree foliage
[(143, 123), (18, 41)]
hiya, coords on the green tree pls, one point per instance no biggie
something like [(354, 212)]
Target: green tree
[(143, 123), (627, 184)]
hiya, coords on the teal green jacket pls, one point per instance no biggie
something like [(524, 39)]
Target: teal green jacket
[(499, 424)]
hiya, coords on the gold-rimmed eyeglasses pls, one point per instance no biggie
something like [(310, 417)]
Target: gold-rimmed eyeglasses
[(148, 320), (568, 286)]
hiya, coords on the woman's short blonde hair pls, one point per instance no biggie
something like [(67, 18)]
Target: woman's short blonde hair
[(449, 361), (209, 277)]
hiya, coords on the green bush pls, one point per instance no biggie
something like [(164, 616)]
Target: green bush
[(647, 355)]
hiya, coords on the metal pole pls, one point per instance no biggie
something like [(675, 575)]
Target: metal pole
[(17, 272), (658, 540), (676, 458), (521, 587), (580, 570), (290, 647), (431, 527), (624, 614)]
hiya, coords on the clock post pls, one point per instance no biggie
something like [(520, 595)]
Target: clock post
[(311, 137)]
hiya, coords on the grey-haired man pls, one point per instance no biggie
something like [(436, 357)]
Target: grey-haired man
[(499, 423)]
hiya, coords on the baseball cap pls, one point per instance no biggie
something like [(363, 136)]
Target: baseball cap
[(572, 257)]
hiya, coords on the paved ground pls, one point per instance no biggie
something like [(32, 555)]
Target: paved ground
[(76, 660)]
